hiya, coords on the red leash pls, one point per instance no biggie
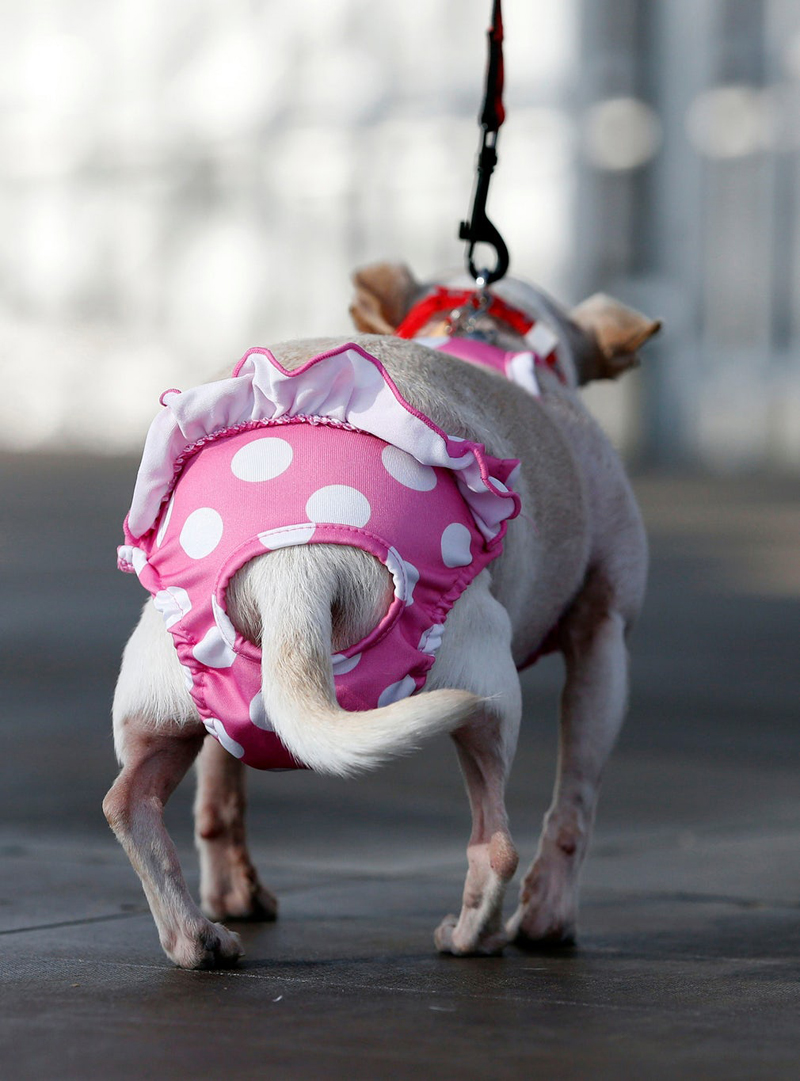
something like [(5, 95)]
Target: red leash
[(493, 113)]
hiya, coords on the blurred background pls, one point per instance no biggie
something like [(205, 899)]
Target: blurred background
[(179, 182)]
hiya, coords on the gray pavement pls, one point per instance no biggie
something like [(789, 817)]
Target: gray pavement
[(689, 952)]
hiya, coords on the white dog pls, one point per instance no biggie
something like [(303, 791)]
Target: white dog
[(571, 577)]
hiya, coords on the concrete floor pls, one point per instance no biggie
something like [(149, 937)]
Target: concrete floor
[(689, 952)]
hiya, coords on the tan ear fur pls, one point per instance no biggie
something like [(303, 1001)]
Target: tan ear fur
[(384, 294), (618, 331)]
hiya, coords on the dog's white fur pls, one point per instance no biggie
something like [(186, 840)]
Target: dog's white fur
[(576, 557)]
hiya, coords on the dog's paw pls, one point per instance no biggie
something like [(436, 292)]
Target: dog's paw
[(252, 903), (448, 938), (537, 932), (547, 914), (206, 946)]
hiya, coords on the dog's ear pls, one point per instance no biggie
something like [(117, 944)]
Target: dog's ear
[(617, 333), (384, 295)]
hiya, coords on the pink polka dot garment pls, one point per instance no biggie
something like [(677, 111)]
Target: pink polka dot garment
[(330, 453), (518, 367)]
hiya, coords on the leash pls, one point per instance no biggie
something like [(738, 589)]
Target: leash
[(464, 308), (479, 230)]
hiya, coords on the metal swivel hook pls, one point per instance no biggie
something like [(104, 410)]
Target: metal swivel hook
[(479, 230)]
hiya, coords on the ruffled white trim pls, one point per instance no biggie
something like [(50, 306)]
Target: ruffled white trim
[(347, 386)]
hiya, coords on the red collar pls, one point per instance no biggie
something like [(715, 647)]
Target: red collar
[(447, 300)]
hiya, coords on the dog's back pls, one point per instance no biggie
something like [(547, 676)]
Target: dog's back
[(575, 495)]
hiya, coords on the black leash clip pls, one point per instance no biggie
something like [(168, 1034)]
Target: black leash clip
[(479, 230)]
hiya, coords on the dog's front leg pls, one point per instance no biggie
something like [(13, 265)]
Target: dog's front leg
[(154, 762), (229, 885), (485, 758), (592, 711)]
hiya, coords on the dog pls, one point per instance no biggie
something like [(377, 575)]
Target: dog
[(556, 559)]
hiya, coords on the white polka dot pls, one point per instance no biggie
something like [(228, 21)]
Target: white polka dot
[(339, 504), (139, 560), (187, 677), (173, 603), (217, 729), (405, 575), (201, 533), (431, 639), (407, 471), (214, 651), (284, 537), (342, 665), (162, 529), (396, 567), (395, 691), (226, 628), (455, 545), (258, 715), (125, 556), (412, 577), (263, 459)]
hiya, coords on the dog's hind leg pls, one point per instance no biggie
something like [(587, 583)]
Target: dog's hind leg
[(229, 885), (485, 749), (592, 638), (153, 764), (157, 735)]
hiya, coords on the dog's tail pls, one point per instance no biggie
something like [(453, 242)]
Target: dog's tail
[(296, 598)]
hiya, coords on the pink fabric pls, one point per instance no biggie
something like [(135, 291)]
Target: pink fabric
[(435, 515), (518, 367), (346, 385)]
